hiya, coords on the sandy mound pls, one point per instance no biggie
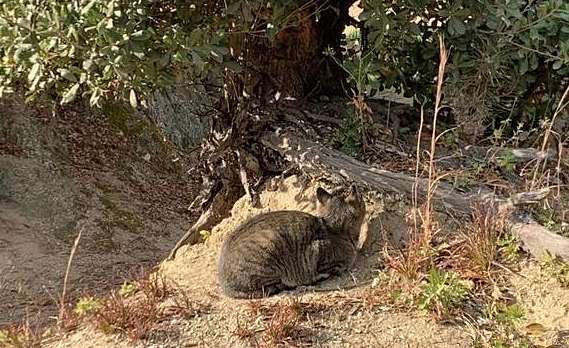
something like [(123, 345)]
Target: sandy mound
[(195, 269)]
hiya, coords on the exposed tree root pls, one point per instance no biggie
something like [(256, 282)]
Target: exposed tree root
[(247, 171), (218, 210)]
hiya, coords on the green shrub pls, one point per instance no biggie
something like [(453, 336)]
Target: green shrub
[(507, 58), (99, 48)]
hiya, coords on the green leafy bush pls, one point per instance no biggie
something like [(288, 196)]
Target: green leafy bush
[(507, 58), (101, 48)]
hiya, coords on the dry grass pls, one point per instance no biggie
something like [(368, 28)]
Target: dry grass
[(432, 276), (414, 261), (137, 316), (133, 318), (477, 251), (20, 336), (539, 171), (244, 333), (283, 324), (392, 290), (66, 319), (417, 258)]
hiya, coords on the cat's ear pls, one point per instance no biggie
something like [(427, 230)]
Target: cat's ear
[(353, 195), (322, 195)]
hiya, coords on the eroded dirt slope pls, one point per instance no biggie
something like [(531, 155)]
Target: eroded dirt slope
[(113, 176)]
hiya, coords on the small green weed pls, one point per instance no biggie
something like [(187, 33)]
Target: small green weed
[(509, 314), (348, 137), (546, 217), (470, 176), (87, 305), (128, 289), (204, 234), (509, 247), (442, 292), (507, 161), (450, 138), (503, 343), (504, 332), (557, 268)]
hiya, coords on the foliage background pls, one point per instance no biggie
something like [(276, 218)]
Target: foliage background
[(509, 60)]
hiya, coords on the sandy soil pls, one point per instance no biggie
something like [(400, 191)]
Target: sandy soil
[(546, 303), (334, 314)]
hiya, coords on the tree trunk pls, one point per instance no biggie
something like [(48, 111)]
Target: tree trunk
[(293, 64)]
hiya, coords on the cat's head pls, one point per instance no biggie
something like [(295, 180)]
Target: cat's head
[(344, 212)]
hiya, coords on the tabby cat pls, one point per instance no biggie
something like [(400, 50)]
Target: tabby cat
[(281, 250)]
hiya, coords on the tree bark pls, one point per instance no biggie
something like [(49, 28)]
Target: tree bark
[(293, 64), (320, 160)]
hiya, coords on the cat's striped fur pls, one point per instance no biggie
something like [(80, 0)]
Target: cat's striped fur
[(280, 250)]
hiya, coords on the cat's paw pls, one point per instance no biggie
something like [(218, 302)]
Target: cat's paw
[(322, 276), (305, 288)]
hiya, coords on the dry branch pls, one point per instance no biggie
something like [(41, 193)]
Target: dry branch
[(519, 154), (317, 159), (219, 209)]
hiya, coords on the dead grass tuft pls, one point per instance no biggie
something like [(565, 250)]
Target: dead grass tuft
[(478, 250), (20, 336), (155, 286), (245, 333), (135, 318), (138, 315), (414, 261), (282, 323), (67, 319)]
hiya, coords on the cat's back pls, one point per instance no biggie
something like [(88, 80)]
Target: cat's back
[(274, 224)]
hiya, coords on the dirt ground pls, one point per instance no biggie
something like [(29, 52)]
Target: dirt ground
[(62, 174), (349, 325), (339, 317)]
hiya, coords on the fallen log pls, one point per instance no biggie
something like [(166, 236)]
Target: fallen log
[(538, 240), (321, 160), (316, 159)]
